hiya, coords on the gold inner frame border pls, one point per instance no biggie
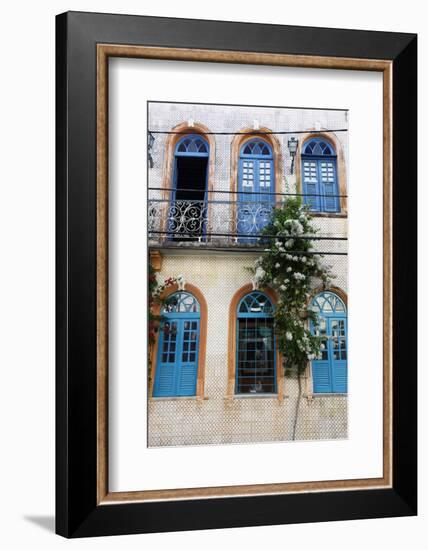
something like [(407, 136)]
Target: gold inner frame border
[(104, 52)]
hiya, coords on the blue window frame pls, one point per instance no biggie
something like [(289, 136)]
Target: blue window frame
[(256, 187), (178, 349), (192, 145), (187, 214), (319, 176), (330, 372), (255, 347)]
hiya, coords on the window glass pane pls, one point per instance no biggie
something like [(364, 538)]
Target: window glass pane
[(181, 302), (192, 144), (255, 356), (327, 302)]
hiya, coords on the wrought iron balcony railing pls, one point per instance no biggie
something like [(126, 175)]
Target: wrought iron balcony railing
[(223, 222), (202, 221)]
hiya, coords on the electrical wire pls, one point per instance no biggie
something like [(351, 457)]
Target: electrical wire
[(255, 132), (241, 193)]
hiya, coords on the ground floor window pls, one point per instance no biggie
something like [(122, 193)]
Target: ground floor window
[(255, 363), (330, 371), (178, 348)]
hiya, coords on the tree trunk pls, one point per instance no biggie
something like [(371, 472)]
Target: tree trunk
[(296, 413)]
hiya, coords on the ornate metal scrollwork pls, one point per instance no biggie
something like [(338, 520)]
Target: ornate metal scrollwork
[(207, 220)]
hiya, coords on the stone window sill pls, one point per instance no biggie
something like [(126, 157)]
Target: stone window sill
[(253, 396), (315, 395), (329, 215), (179, 398)]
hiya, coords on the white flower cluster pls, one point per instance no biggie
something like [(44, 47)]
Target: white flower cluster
[(279, 245), (299, 276), (305, 346), (292, 258), (293, 227)]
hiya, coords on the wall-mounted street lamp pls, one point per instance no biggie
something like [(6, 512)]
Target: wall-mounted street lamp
[(293, 143), (150, 143)]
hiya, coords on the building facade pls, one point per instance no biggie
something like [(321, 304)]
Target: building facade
[(215, 174)]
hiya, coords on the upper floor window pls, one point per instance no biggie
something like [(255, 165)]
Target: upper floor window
[(319, 175), (178, 347), (255, 349), (187, 212), (329, 372), (256, 187)]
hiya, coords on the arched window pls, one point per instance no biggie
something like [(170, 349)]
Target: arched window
[(187, 214), (255, 346), (330, 372), (256, 187), (319, 175), (178, 348)]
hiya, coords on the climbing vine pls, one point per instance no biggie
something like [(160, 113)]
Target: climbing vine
[(153, 300), (157, 286), (289, 266)]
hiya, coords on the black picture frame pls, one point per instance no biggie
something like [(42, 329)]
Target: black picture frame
[(77, 512)]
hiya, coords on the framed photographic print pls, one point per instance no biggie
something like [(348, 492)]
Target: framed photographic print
[(236, 274)]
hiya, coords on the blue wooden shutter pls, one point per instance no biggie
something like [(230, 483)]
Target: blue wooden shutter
[(177, 363), (339, 354), (330, 373), (311, 184), (321, 376), (264, 186), (164, 385), (321, 370), (329, 190), (247, 186), (187, 370)]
